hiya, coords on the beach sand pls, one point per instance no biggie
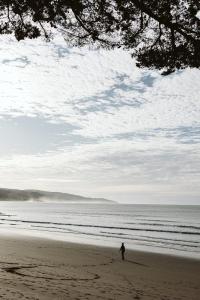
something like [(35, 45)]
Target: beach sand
[(33, 268)]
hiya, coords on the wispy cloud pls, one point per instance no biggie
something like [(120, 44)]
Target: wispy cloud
[(90, 122)]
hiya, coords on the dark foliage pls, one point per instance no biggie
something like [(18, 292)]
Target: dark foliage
[(162, 34)]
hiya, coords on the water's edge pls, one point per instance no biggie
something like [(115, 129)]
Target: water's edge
[(162, 229)]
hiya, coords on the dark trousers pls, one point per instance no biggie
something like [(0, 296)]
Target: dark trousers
[(123, 255)]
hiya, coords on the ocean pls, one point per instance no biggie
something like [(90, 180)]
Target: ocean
[(155, 228)]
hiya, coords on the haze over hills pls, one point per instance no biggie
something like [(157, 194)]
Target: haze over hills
[(37, 195)]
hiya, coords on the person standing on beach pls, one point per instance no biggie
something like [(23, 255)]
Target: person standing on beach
[(122, 249)]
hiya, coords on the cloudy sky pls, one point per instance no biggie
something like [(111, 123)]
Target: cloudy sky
[(89, 122)]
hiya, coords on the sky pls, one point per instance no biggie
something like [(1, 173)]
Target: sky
[(90, 122)]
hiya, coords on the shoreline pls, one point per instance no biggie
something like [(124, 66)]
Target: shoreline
[(25, 234), (143, 229), (38, 268)]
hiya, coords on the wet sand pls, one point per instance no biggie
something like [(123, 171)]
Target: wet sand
[(33, 268)]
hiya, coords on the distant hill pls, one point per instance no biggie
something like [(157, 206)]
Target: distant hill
[(36, 195)]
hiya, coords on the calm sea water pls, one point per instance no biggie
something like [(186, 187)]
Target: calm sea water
[(168, 229)]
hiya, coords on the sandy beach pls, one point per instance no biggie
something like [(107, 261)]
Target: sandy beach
[(33, 268)]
